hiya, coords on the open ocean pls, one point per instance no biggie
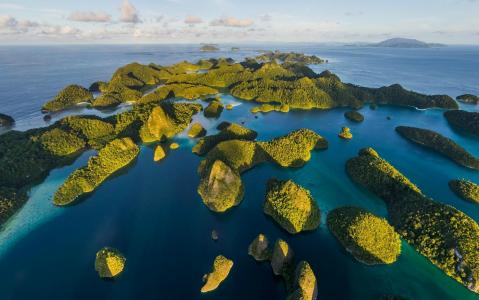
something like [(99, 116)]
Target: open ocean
[(152, 213)]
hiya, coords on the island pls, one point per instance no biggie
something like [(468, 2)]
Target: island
[(109, 262), (284, 81), (68, 97), (282, 257), (229, 131), (305, 286), (222, 166), (345, 133), (441, 144), (405, 43), (300, 282), (453, 237), (6, 120), (291, 206), (10, 201), (196, 130), (221, 187), (465, 189), (214, 109), (259, 248), (289, 57), (114, 156), (468, 99), (159, 153), (369, 238), (266, 108), (354, 116), (209, 48), (221, 269), (166, 120), (462, 120)]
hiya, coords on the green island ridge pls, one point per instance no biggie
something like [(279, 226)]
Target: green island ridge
[(441, 144), (266, 108), (166, 120), (289, 83), (6, 120), (68, 97), (291, 206), (446, 236), (465, 189), (233, 157), (289, 57), (221, 269), (300, 282), (463, 120), (27, 157), (370, 239), (345, 133), (468, 98), (109, 262), (116, 155), (354, 116)]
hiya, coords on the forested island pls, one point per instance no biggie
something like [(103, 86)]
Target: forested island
[(446, 236), (164, 101)]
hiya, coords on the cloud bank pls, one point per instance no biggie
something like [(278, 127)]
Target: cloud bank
[(89, 16)]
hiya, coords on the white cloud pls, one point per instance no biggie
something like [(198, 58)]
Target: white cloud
[(89, 16), (129, 14), (53, 30), (192, 20), (11, 6), (265, 17), (11, 24), (232, 22), (7, 21)]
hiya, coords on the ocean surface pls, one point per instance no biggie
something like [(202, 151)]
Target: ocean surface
[(152, 213)]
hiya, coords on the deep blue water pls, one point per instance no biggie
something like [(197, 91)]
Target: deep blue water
[(152, 213)]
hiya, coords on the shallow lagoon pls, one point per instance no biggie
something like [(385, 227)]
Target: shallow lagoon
[(152, 213)]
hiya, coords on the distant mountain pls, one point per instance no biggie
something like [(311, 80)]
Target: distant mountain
[(405, 43)]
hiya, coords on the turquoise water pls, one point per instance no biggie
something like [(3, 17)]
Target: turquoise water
[(152, 213)]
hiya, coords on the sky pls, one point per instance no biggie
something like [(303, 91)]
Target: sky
[(236, 21)]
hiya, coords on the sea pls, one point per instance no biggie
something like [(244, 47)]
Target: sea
[(153, 214)]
